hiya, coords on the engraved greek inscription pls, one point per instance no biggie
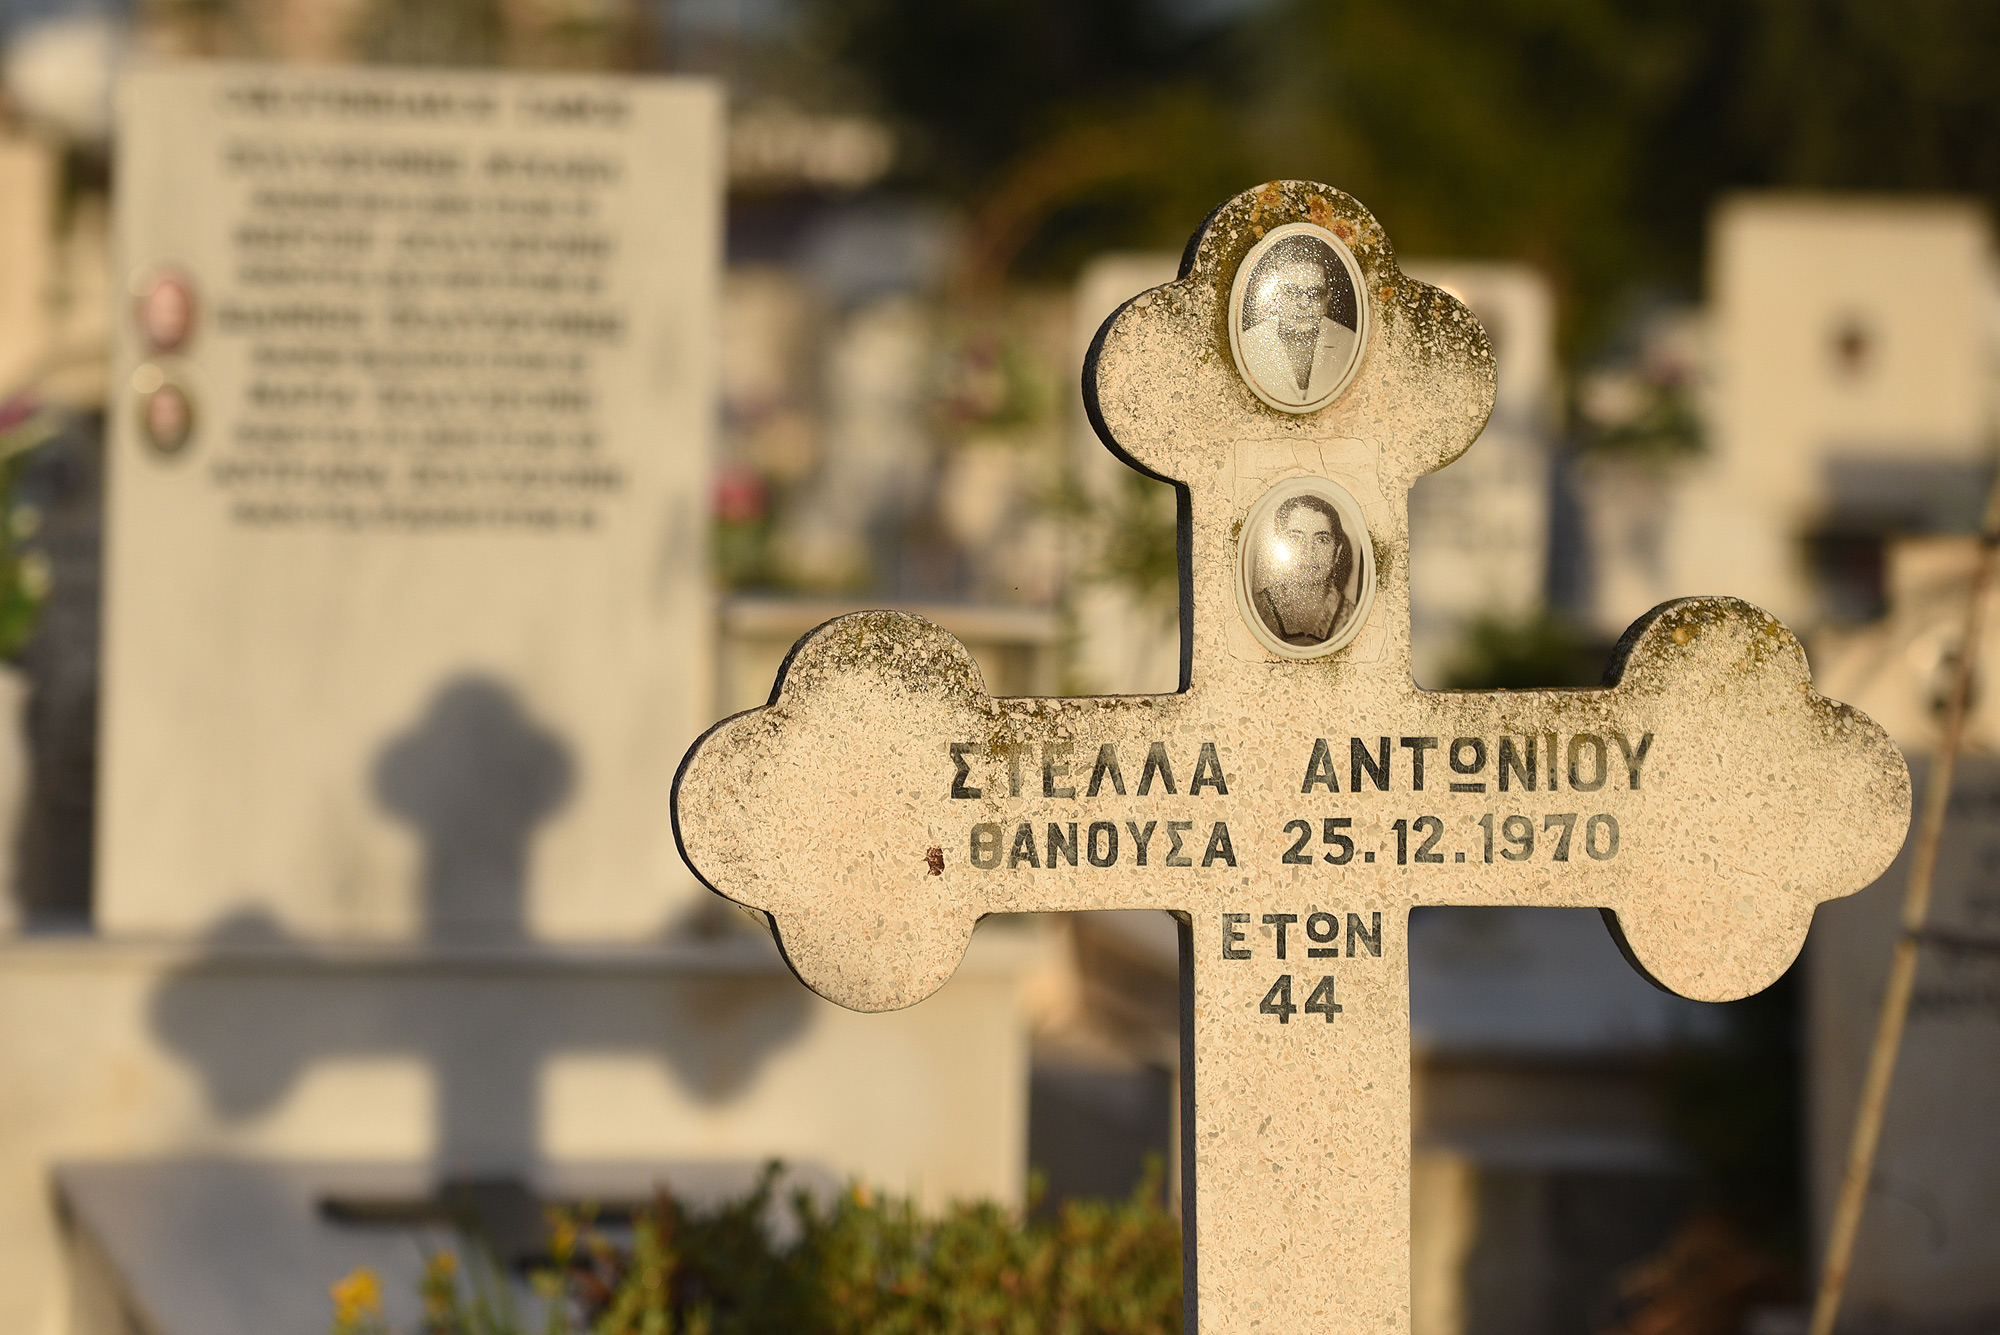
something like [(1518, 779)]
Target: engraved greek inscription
[(1102, 848), (1370, 936), (1319, 769), (961, 771), (1468, 756), (986, 845), (1053, 752), (1321, 929), (1062, 843), (1106, 768), (1141, 838), (1280, 921), (1377, 765), (1417, 746), (1635, 756), (1588, 746), (1219, 848), (1024, 848), (1207, 773)]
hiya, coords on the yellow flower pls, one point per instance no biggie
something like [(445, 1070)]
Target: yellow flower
[(563, 1233), (355, 1298)]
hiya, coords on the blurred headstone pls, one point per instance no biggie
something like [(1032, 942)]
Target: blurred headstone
[(876, 454), (1127, 639), (1479, 530), (407, 616), (1900, 668), (1851, 342), (27, 219), (1928, 1253)]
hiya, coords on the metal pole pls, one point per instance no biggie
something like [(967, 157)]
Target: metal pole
[(1903, 965)]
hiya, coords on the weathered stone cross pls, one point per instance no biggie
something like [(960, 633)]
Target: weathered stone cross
[(1299, 794)]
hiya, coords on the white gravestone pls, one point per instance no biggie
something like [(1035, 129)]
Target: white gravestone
[(27, 209), (1843, 398), (1928, 1251), (1479, 530), (1929, 1248), (1300, 795), (407, 618), (1124, 642)]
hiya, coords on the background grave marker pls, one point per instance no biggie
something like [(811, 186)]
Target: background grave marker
[(1292, 810), (409, 448)]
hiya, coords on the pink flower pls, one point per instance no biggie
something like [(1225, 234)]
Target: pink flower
[(739, 495), (17, 410)]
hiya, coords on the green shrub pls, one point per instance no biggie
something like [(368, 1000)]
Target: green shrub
[(1534, 653), (860, 1265)]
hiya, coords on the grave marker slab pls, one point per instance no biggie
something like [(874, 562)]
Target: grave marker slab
[(407, 616), (1929, 1246), (1299, 795), (27, 206)]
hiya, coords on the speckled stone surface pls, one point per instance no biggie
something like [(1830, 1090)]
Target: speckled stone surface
[(1292, 812)]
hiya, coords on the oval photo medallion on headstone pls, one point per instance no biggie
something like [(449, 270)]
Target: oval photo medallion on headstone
[(166, 410), (1306, 570), (1298, 317), (163, 306)]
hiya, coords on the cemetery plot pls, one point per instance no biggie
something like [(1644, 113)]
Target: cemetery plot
[(1707, 798)]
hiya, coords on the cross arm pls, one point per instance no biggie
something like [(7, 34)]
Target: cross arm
[(1707, 798)]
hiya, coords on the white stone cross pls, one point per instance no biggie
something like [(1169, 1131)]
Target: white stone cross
[(1299, 794)]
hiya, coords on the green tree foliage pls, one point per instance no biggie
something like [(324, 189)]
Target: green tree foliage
[(1875, 95), (1064, 126), (1539, 652), (984, 81), (1586, 136), (24, 573)]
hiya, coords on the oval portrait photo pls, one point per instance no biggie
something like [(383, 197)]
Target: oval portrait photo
[(1297, 317), (1306, 570), (166, 417), (165, 309)]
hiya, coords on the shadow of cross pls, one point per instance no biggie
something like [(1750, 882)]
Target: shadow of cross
[(476, 776), (1299, 794), (483, 1006)]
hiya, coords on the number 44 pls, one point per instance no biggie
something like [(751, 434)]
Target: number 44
[(1278, 1001)]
